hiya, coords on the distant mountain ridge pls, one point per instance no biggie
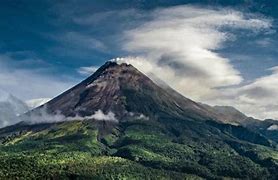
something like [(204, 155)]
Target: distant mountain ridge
[(230, 115)]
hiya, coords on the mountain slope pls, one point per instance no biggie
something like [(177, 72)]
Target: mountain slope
[(122, 89), (158, 134), (230, 115), (265, 127)]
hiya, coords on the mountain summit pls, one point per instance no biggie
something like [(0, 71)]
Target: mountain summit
[(119, 124), (123, 90)]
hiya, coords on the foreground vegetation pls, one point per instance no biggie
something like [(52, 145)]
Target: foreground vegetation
[(137, 149)]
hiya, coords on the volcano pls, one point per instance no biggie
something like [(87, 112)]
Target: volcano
[(123, 90), (119, 124)]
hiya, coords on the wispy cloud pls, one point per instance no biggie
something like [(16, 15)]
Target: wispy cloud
[(265, 42), (29, 83), (78, 40), (98, 115), (10, 108), (94, 19), (87, 70), (258, 98), (179, 45), (33, 103), (42, 116)]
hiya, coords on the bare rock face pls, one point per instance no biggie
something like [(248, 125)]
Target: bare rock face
[(122, 89)]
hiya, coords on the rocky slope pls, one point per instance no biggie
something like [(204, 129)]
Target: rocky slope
[(122, 89)]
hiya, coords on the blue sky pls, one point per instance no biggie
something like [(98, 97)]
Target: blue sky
[(211, 51)]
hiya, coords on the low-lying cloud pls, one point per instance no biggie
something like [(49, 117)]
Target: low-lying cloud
[(258, 98), (138, 116), (98, 115), (42, 116), (33, 103)]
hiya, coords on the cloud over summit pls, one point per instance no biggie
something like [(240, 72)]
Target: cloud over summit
[(180, 45), (183, 42)]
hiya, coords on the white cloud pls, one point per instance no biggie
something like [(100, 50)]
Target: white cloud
[(98, 115), (78, 40), (42, 116), (264, 94), (265, 42), (94, 19), (87, 70), (10, 109), (138, 116), (30, 83), (179, 46), (3, 95), (33, 103), (258, 98), (142, 117), (272, 128)]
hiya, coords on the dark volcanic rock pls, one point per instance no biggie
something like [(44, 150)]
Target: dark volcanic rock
[(122, 89)]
